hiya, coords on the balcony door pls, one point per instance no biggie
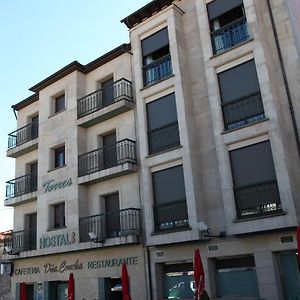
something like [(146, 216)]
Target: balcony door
[(112, 210), (33, 178), (107, 92), (109, 150), (34, 126), (30, 232)]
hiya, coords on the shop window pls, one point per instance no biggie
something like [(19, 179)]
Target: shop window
[(170, 210), (163, 130), (59, 157), (59, 103), (228, 24), (178, 281), (59, 215), (255, 184), (241, 97), (110, 288), (58, 290), (236, 277), (156, 57)]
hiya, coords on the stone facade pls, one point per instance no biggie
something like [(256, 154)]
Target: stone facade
[(156, 245)]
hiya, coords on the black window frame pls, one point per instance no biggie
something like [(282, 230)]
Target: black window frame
[(57, 152), (60, 103), (166, 135), (59, 215)]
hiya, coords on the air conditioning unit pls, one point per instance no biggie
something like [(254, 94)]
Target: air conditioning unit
[(6, 268)]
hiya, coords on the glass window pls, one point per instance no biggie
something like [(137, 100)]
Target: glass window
[(236, 277), (170, 210), (228, 24), (255, 184), (178, 281), (60, 103), (163, 130), (59, 215), (241, 97), (59, 157)]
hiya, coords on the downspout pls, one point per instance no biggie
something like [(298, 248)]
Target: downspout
[(13, 108), (286, 84)]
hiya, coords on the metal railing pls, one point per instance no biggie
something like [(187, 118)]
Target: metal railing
[(21, 185), (230, 35), (163, 138), (20, 241), (243, 111), (23, 135), (170, 216), (157, 70), (110, 225), (106, 157), (257, 200), (119, 90)]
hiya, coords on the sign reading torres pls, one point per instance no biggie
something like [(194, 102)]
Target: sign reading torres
[(51, 185)]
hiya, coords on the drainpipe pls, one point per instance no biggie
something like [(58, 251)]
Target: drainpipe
[(286, 84), (13, 108)]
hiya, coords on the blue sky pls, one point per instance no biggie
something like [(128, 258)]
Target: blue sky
[(37, 38)]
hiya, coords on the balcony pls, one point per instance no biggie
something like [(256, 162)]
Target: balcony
[(120, 224), (157, 70), (171, 216), (107, 162), (23, 140), (21, 189), (257, 200), (230, 35), (163, 138), (105, 103), (243, 111), (19, 241)]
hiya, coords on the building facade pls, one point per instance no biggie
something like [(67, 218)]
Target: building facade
[(188, 137)]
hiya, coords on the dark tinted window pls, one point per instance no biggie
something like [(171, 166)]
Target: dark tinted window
[(238, 82), (252, 165), (155, 42), (168, 185), (161, 112), (220, 7), (59, 103), (59, 215), (59, 157)]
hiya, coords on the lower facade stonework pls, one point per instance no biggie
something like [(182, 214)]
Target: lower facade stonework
[(260, 267)]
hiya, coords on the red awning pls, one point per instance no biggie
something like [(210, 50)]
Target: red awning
[(23, 293), (198, 275), (71, 287), (298, 247)]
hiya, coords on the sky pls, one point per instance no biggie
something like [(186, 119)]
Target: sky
[(39, 37)]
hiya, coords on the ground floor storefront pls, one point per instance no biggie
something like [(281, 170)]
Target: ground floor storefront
[(254, 267), (97, 274)]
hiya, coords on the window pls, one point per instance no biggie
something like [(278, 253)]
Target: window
[(59, 103), (163, 130), (170, 210), (241, 97), (255, 185), (59, 215), (156, 57), (178, 281), (241, 271), (59, 157), (228, 24)]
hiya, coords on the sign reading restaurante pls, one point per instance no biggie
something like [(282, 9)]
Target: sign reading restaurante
[(64, 266)]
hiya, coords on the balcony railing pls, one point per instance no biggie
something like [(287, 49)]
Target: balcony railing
[(163, 138), (170, 216), (23, 135), (119, 90), (20, 241), (230, 35), (243, 111), (157, 70), (111, 225), (21, 185), (257, 200), (106, 157)]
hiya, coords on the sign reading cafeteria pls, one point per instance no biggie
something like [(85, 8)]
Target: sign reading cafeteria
[(77, 265)]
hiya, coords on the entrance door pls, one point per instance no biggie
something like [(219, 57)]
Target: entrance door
[(29, 291), (62, 291), (110, 150), (290, 275)]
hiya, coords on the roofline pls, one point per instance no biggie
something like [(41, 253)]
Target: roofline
[(145, 12), (68, 69)]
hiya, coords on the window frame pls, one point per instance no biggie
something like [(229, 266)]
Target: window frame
[(57, 152), (59, 221), (57, 103)]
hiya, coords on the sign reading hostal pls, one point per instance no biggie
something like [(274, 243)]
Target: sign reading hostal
[(57, 240)]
